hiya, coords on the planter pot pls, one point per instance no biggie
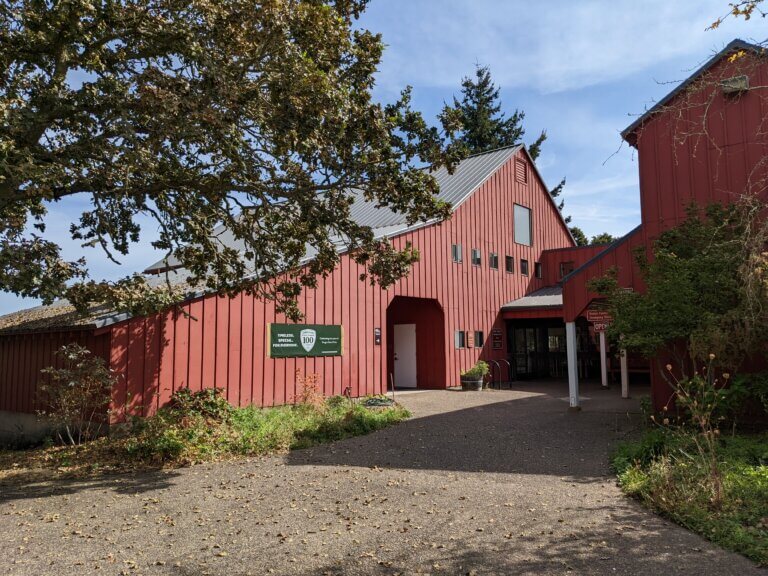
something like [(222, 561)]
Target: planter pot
[(471, 383)]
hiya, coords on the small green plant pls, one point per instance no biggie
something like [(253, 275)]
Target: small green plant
[(646, 409), (77, 395), (699, 398), (478, 371)]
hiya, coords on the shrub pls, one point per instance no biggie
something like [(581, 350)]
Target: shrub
[(655, 443), (309, 390), (663, 471), (77, 395), (201, 426), (478, 371), (209, 403)]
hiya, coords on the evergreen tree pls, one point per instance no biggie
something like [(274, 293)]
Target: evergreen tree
[(579, 236), (485, 126), (603, 238)]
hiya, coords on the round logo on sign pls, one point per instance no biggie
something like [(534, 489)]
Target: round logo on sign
[(308, 338)]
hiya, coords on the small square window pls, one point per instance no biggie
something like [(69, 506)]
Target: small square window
[(456, 252), (566, 268), (460, 339), (524, 267), (493, 261), (475, 257), (509, 264), (479, 338), (537, 271)]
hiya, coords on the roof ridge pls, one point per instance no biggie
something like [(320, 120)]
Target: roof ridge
[(492, 150), (736, 43)]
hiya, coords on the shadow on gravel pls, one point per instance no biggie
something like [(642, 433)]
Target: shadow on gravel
[(631, 544), (35, 486), (530, 435)]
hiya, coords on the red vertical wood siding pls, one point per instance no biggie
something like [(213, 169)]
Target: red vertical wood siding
[(23, 356), (579, 255), (222, 342), (703, 147), (680, 162), (619, 257), (429, 319)]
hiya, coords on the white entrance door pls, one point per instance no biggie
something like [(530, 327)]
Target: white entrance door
[(405, 355)]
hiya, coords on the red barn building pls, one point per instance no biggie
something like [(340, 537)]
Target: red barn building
[(497, 247), (704, 142), (501, 280)]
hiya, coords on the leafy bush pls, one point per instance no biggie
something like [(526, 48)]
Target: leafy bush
[(77, 395), (661, 470), (655, 443), (197, 427), (745, 400), (208, 403), (478, 371)]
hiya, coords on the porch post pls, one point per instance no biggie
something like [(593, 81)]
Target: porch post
[(624, 374), (603, 361), (573, 371)]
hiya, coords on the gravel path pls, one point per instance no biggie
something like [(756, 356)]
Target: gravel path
[(477, 483)]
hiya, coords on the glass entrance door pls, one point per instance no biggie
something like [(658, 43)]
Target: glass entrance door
[(537, 349)]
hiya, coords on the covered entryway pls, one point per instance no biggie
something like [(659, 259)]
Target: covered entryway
[(537, 349), (415, 343)]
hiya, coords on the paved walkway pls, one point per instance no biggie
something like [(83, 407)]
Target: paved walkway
[(477, 483)]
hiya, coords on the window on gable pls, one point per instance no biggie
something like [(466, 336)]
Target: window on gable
[(521, 171), (524, 267), (456, 252), (460, 339), (493, 261), (523, 225), (566, 268), (537, 270), (479, 338), (475, 257), (509, 264)]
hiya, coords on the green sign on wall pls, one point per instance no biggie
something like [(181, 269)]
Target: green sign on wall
[(292, 340)]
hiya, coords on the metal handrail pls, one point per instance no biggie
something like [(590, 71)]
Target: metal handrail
[(509, 368), (498, 367)]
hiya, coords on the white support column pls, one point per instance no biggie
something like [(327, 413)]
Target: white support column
[(624, 375), (603, 361), (573, 369)]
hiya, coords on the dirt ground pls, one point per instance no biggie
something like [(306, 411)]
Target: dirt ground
[(499, 482)]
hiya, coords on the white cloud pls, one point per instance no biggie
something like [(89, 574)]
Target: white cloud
[(554, 46)]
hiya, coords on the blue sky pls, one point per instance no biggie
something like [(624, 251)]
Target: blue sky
[(581, 70)]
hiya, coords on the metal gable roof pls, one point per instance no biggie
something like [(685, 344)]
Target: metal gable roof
[(455, 187), (733, 45), (467, 177)]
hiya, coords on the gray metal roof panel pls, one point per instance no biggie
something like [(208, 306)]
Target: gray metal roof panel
[(547, 297), (468, 176), (455, 188)]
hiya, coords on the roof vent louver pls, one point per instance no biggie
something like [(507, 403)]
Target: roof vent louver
[(735, 85)]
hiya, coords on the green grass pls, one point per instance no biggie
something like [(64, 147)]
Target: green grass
[(189, 435), (200, 427), (663, 470)]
